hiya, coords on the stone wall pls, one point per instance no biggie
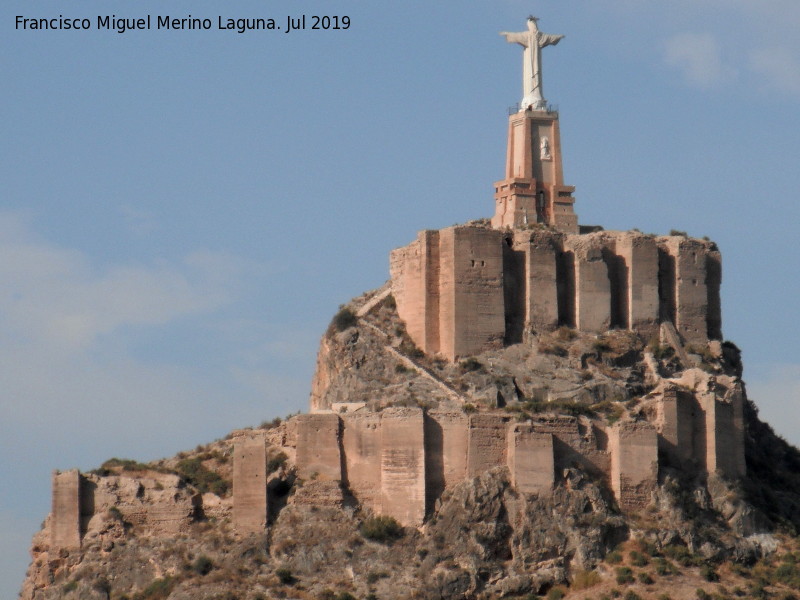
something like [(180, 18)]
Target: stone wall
[(472, 315), (592, 284), (448, 286), (250, 482), (65, 517), (362, 446), (446, 446), (689, 294), (677, 413), (403, 465), (464, 290), (318, 439), (530, 460), (400, 461), (486, 442), (634, 463)]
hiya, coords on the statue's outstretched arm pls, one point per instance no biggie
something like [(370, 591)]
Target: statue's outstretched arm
[(516, 38), (549, 39)]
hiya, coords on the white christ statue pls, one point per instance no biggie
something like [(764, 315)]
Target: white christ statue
[(533, 41)]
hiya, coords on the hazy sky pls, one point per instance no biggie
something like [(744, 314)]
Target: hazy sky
[(183, 211)]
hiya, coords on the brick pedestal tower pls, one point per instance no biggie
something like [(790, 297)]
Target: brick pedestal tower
[(533, 190)]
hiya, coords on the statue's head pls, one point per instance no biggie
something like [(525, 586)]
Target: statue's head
[(533, 23)]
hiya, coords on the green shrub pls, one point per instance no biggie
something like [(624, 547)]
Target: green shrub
[(702, 594), (556, 593), (374, 576), (638, 559), (344, 319), (614, 558), (284, 575), (585, 579), (276, 462), (203, 565), (470, 408), (566, 334), (631, 595), (382, 529), (159, 589), (664, 567), (600, 346), (644, 578), (195, 473), (469, 365), (125, 463), (70, 587), (681, 555), (624, 575), (708, 573)]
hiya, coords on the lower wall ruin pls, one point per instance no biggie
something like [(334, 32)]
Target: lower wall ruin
[(400, 461), (403, 465), (634, 463), (250, 482), (65, 525), (530, 460)]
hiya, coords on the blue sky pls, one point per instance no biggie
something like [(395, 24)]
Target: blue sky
[(182, 212)]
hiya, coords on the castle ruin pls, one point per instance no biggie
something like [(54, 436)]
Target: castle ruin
[(465, 290)]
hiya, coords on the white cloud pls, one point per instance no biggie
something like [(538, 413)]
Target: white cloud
[(778, 67), (72, 379), (55, 296), (698, 57)]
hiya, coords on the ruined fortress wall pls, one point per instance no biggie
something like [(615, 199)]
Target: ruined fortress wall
[(677, 412), (575, 444), (634, 463), (429, 241), (541, 312), (486, 443), (406, 269), (361, 444), (724, 436), (65, 524), (639, 254), (714, 302), (592, 286), (688, 257), (403, 465), (318, 441), (530, 459), (445, 451), (472, 315), (463, 290), (250, 482)]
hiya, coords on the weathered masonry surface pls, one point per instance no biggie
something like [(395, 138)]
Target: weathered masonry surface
[(466, 289), (401, 460), (250, 482), (533, 189)]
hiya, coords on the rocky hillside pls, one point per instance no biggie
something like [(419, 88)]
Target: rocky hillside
[(163, 530)]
